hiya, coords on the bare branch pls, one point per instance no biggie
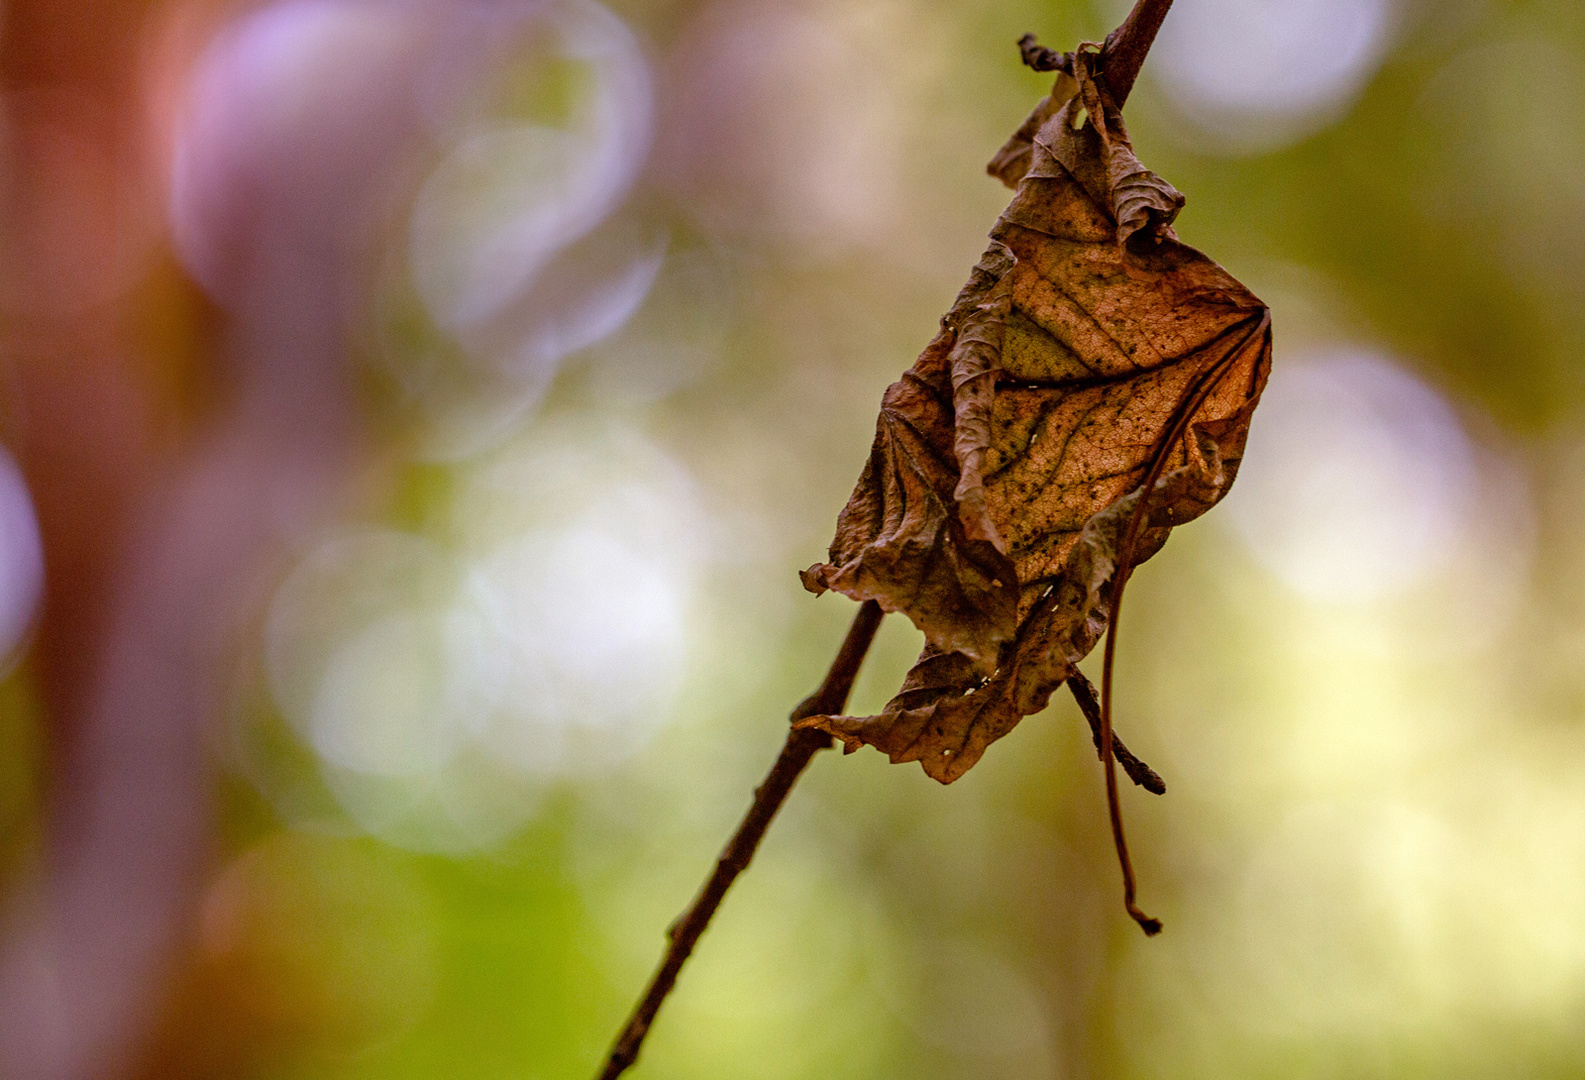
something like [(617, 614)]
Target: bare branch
[(1124, 52), (796, 753), (1039, 58), (1089, 704)]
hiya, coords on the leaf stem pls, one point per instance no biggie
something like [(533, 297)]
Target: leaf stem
[(1194, 396), (800, 747)]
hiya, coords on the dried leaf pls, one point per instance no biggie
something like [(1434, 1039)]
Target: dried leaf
[(1100, 156), (1012, 160), (1089, 354)]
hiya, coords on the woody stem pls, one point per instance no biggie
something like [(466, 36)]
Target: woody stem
[(1124, 52), (800, 747)]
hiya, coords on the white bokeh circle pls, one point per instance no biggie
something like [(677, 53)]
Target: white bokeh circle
[(21, 560), (1255, 75), (1358, 481)]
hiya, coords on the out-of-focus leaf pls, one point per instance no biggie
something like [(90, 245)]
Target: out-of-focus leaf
[(1089, 352)]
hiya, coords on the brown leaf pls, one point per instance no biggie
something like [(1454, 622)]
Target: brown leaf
[(1012, 160), (1095, 149), (1089, 351)]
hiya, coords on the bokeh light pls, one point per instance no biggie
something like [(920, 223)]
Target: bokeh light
[(1254, 75), (548, 639), (1360, 480), (417, 412), (21, 559)]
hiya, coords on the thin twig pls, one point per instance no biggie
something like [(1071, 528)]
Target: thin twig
[(1039, 58), (1121, 56), (801, 746), (1124, 52), (1084, 693)]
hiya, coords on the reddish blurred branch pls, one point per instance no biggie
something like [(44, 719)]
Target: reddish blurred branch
[(156, 523), (87, 937)]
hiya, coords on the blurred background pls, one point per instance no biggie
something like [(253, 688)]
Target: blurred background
[(415, 413)]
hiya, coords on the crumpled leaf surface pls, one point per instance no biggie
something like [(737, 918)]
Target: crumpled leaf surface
[(1008, 460)]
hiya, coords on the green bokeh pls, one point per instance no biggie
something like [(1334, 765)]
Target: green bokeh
[(1369, 857)]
